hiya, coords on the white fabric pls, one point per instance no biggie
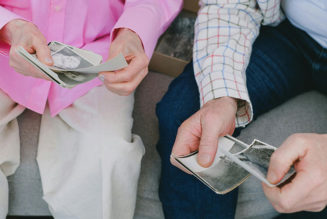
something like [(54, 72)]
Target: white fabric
[(9, 146), (310, 16), (88, 159)]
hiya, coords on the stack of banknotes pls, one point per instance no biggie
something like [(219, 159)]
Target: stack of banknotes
[(73, 66)]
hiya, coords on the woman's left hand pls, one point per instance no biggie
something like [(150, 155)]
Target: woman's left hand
[(125, 81)]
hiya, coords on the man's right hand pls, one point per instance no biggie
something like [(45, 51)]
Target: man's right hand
[(201, 131), (25, 34)]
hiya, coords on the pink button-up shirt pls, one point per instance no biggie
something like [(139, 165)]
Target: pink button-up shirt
[(86, 24)]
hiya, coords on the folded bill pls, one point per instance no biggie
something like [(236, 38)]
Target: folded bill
[(233, 163), (73, 66)]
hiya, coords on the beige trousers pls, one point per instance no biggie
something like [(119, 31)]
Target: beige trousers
[(88, 158)]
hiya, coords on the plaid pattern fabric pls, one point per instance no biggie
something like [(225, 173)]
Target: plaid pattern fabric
[(224, 33)]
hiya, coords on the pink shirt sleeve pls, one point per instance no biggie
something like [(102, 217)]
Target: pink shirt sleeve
[(5, 17), (149, 19)]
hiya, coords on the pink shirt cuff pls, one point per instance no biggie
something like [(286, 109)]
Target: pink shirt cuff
[(5, 17), (143, 22)]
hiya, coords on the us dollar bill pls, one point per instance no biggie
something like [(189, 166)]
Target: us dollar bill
[(233, 163), (73, 66)]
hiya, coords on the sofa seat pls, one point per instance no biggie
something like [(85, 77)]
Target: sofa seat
[(304, 113)]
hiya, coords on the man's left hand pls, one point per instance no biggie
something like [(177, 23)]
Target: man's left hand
[(125, 81), (308, 189)]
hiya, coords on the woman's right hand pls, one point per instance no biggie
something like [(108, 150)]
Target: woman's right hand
[(25, 34)]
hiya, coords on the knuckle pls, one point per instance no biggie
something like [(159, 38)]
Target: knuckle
[(125, 91), (182, 127), (108, 87), (129, 90), (299, 138), (146, 70), (145, 60), (39, 40), (318, 178), (278, 208), (320, 208), (12, 52), (128, 77), (208, 115), (285, 205), (275, 158)]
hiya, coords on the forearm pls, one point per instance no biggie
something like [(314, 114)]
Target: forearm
[(149, 19), (224, 34)]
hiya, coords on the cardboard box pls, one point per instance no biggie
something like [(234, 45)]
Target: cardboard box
[(174, 49), (191, 5)]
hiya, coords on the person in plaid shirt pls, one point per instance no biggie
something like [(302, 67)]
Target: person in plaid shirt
[(247, 59)]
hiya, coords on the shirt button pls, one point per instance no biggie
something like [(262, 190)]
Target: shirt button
[(57, 8)]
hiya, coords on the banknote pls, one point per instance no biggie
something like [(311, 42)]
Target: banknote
[(73, 66), (233, 163)]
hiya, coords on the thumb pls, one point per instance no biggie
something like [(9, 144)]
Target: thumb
[(209, 142), (283, 158), (43, 53)]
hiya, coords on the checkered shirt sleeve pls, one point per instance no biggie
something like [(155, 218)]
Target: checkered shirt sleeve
[(224, 33)]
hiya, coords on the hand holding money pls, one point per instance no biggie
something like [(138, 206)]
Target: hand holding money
[(125, 81), (308, 190), (20, 33), (201, 131)]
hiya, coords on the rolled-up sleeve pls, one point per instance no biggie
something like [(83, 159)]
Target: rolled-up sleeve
[(225, 31), (149, 19)]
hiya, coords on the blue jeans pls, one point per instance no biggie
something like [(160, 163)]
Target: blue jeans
[(284, 63)]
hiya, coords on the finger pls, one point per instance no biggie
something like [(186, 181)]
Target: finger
[(293, 196), (283, 158), (211, 130), (299, 189), (272, 194), (129, 73), (24, 67), (125, 89), (315, 207), (122, 89), (174, 162), (43, 53), (188, 136)]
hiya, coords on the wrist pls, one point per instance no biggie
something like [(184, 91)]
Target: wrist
[(230, 101), (128, 34), (125, 32), (7, 31)]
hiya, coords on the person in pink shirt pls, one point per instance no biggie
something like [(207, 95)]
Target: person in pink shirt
[(88, 158)]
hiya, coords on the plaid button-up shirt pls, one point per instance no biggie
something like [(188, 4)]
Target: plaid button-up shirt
[(224, 33)]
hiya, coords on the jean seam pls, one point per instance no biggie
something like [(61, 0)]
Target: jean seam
[(316, 60)]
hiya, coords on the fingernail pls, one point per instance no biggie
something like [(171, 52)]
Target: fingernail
[(272, 177), (48, 60), (203, 159), (101, 77)]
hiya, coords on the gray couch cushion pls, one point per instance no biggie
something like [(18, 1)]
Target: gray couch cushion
[(305, 113)]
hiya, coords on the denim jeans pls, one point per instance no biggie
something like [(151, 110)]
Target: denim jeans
[(285, 62)]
